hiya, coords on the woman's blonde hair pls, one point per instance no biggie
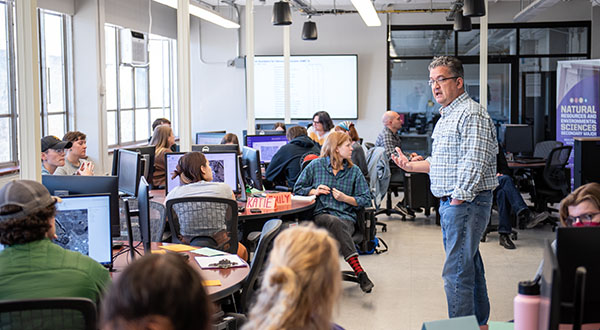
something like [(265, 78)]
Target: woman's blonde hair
[(301, 283), (588, 192), (160, 138), (333, 141)]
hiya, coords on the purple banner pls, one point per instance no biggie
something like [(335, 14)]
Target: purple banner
[(578, 106)]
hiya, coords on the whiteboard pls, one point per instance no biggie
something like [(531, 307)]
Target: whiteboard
[(317, 83)]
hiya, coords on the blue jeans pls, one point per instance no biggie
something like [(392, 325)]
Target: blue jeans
[(508, 198), (463, 274)]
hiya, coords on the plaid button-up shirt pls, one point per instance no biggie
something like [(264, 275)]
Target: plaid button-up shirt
[(389, 141), (463, 158), (349, 180)]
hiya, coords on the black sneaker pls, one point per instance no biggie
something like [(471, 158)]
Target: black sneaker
[(506, 242), (365, 283), (535, 218)]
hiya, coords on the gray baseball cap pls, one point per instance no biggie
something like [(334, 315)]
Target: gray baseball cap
[(30, 195), (52, 142)]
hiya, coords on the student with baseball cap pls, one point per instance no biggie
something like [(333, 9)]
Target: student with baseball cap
[(31, 266), (53, 153)]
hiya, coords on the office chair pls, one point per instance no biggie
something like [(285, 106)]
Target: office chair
[(553, 183), (364, 231), (48, 313), (543, 149), (204, 221), (396, 185), (242, 302)]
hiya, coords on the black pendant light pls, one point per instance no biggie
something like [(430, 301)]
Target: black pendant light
[(281, 13), (474, 8), (309, 30), (461, 23)]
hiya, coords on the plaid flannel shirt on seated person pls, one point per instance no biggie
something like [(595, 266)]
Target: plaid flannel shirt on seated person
[(389, 141), (349, 180), (463, 158)]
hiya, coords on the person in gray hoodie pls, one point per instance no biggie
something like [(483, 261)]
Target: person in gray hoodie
[(286, 163)]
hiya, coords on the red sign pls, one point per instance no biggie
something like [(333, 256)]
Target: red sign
[(268, 203)]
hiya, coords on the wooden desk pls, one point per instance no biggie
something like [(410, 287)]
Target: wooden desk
[(296, 207), (231, 278), (515, 165)]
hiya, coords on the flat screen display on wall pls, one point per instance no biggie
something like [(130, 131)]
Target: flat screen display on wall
[(317, 83)]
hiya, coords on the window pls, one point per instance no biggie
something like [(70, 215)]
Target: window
[(8, 120), (136, 95), (521, 66), (55, 71)]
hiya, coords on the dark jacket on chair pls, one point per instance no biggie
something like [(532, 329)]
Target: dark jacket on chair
[(286, 163)]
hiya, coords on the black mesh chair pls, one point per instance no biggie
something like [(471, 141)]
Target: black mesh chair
[(363, 230), (48, 313), (204, 221), (396, 185), (543, 149), (553, 183)]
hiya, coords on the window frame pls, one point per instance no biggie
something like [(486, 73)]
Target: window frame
[(11, 84), (516, 115), (170, 107), (67, 113)]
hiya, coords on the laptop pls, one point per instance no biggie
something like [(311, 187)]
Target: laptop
[(83, 225)]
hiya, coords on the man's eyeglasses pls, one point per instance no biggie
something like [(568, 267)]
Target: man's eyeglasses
[(584, 219), (439, 80)]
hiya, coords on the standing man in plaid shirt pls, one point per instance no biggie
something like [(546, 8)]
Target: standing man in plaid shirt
[(462, 168)]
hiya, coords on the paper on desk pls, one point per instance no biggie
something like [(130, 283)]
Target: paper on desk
[(211, 283), (207, 262), (205, 251), (158, 251), (178, 247), (303, 198)]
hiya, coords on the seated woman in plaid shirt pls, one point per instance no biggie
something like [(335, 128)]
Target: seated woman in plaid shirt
[(341, 190)]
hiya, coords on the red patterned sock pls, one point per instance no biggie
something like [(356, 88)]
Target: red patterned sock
[(355, 264)]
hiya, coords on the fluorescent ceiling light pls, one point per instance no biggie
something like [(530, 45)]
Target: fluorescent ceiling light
[(170, 3), (212, 17), (204, 13), (367, 12), (533, 10)]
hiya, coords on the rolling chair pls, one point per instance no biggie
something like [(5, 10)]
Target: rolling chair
[(396, 185), (553, 183), (543, 149), (204, 221), (48, 313), (242, 301)]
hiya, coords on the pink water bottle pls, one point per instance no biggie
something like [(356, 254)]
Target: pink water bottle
[(527, 304)]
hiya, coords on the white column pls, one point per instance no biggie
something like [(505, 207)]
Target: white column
[(183, 75), (250, 67), (286, 74), (89, 81), (28, 87), (483, 57)]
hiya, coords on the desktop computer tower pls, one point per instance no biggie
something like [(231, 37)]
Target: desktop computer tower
[(586, 160)]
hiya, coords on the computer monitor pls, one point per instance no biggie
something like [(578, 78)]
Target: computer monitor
[(549, 308), (268, 132), (171, 160), (82, 224), (252, 171), (147, 153), (224, 168), (518, 139), (144, 215), (268, 145), (206, 148), (64, 185), (577, 247), (210, 137), (129, 171)]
